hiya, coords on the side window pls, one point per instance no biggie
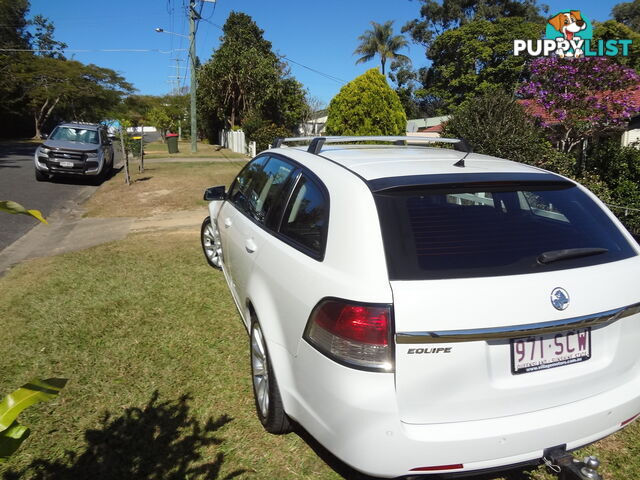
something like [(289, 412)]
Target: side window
[(250, 180), (277, 172), (306, 217), (259, 186)]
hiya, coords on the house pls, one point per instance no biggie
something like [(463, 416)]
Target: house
[(315, 125), (426, 127), (631, 136)]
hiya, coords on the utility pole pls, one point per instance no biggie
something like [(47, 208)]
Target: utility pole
[(193, 15)]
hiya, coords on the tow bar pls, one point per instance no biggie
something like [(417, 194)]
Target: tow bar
[(567, 467)]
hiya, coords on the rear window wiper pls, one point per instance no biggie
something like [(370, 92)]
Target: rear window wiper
[(555, 255)]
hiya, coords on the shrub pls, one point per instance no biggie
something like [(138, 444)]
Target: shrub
[(495, 124), (366, 106), (263, 133), (619, 169)]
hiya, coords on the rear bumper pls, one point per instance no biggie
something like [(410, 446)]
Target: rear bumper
[(355, 416)]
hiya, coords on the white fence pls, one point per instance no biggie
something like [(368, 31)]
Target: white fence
[(234, 140)]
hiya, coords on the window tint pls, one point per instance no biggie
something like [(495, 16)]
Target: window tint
[(306, 216), (276, 172), (260, 185), (245, 190), (454, 232)]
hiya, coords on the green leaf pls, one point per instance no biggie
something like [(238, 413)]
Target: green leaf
[(11, 439), (33, 392), (15, 208)]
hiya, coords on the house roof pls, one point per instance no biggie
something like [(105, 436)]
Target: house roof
[(416, 124), (534, 108), (435, 129)]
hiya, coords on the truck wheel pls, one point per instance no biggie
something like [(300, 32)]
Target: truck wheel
[(41, 176)]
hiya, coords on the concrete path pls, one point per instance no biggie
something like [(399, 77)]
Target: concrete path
[(68, 231)]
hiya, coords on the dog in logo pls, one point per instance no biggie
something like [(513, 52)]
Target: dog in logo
[(568, 24)]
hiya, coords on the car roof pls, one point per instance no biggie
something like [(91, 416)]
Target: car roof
[(86, 126), (386, 166)]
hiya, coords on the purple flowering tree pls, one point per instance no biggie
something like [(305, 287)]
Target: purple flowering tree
[(580, 98)]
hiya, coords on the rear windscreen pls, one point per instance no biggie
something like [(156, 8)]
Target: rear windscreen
[(499, 229)]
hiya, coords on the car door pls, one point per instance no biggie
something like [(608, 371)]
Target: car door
[(242, 220)]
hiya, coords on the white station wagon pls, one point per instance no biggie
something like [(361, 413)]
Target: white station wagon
[(429, 310)]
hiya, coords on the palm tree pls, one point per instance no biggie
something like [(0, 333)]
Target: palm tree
[(381, 41)]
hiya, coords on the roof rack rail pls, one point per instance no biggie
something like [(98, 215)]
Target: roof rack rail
[(316, 143)]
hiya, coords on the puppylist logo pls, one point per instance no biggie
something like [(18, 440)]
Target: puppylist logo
[(570, 34)]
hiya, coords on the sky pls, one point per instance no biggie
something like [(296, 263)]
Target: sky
[(319, 37)]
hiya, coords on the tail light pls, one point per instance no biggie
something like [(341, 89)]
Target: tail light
[(354, 334)]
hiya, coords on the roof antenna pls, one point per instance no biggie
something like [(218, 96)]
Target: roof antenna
[(462, 146)]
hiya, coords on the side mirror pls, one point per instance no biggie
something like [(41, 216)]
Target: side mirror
[(44, 136), (215, 193)]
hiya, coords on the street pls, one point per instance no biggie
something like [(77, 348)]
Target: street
[(18, 183)]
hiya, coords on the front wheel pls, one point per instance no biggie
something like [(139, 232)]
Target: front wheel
[(211, 245), (41, 176), (265, 388)]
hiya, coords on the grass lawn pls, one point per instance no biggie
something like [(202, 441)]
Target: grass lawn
[(159, 150), (162, 187), (158, 360)]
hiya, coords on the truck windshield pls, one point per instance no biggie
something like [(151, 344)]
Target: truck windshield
[(454, 231), (71, 134)]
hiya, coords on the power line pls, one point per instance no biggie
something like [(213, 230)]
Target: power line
[(284, 57), (74, 50)]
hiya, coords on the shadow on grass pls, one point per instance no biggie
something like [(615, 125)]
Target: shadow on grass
[(143, 179), (162, 440), (349, 473)]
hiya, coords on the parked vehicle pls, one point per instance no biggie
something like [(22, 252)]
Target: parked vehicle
[(75, 149), (428, 310)]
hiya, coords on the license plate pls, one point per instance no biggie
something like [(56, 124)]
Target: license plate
[(66, 164), (541, 352)]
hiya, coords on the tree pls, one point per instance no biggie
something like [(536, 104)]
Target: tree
[(571, 99), (628, 13), (244, 78), (382, 42), (159, 117), (76, 91), (13, 33), (240, 70), (476, 57), (436, 18), (366, 106), (612, 30), (43, 40), (35, 89)]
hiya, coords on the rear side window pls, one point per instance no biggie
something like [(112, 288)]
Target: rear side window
[(306, 216), (457, 231)]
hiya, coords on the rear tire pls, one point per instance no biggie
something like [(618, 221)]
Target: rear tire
[(265, 387), (41, 176)]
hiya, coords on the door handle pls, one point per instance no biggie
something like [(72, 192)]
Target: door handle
[(227, 222), (250, 245)]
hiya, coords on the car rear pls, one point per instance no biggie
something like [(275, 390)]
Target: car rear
[(513, 328), (515, 309)]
